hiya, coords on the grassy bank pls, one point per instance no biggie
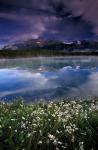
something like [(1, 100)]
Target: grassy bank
[(49, 126)]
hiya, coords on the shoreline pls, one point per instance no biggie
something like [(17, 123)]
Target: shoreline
[(24, 54)]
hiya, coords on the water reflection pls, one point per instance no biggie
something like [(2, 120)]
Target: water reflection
[(49, 80)]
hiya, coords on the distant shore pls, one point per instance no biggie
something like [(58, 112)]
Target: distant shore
[(46, 53)]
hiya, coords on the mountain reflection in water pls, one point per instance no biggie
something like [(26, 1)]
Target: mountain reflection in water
[(48, 78)]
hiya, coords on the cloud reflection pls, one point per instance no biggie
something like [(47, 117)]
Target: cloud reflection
[(90, 88), (66, 81)]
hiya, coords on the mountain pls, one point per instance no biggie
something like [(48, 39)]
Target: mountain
[(40, 44)]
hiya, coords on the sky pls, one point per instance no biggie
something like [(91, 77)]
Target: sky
[(64, 20)]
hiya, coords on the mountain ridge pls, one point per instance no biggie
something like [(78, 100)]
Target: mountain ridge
[(40, 44)]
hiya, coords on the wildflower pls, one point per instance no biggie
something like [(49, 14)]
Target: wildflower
[(60, 143), (40, 142), (23, 118), (23, 125), (51, 137), (57, 148), (13, 119), (55, 142), (16, 131), (73, 139), (81, 145), (29, 134)]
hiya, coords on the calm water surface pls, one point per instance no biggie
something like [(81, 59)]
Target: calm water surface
[(48, 78)]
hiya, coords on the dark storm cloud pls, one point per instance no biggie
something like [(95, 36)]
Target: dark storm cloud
[(53, 19), (68, 29)]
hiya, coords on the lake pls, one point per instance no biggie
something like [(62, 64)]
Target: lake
[(48, 78)]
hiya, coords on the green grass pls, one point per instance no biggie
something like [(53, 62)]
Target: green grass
[(49, 126)]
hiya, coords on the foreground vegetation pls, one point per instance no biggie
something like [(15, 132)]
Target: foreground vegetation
[(49, 126)]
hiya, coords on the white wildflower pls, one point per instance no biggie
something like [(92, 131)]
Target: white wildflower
[(51, 137)]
